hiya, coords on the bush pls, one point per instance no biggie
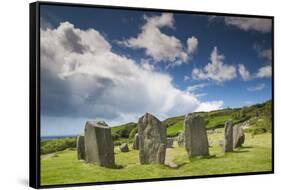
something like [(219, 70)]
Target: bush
[(115, 137), (55, 145), (133, 133), (123, 133), (259, 126)]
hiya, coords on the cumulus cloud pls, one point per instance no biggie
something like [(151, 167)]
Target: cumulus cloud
[(82, 78), (257, 24), (216, 70), (265, 53), (244, 73), (209, 106), (192, 44), (160, 46), (258, 87), (264, 72)]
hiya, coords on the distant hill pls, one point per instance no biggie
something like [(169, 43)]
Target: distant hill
[(258, 119), (214, 119)]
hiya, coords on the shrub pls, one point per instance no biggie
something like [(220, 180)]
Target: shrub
[(133, 133), (55, 145)]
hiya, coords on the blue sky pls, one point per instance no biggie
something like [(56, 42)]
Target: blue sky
[(114, 65)]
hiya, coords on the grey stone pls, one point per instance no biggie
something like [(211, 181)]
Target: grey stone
[(124, 147), (152, 140), (228, 136), (99, 146), (221, 143), (170, 142), (136, 142), (181, 139), (238, 136), (80, 144), (211, 142), (196, 140)]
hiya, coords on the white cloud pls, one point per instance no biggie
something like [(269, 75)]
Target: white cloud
[(266, 53), (258, 24), (198, 95), (264, 72), (258, 87), (210, 106), (196, 87), (186, 78), (82, 77), (263, 52), (145, 64), (244, 73), (192, 44), (217, 70), (160, 46)]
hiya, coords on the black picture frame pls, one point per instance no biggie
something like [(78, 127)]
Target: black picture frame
[(34, 92)]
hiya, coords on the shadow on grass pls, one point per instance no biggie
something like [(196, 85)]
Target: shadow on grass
[(243, 147), (240, 151), (194, 158)]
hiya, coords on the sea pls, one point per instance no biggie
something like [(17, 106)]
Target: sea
[(44, 138)]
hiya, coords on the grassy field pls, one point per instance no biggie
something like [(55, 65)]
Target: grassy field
[(64, 168)]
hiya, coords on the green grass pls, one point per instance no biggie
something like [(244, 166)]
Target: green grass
[(212, 122), (218, 120), (174, 129), (214, 119), (54, 145), (64, 168)]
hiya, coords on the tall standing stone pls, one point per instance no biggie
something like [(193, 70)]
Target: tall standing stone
[(99, 146), (136, 142), (228, 136), (170, 142), (80, 144), (238, 136), (152, 140), (180, 139), (196, 140)]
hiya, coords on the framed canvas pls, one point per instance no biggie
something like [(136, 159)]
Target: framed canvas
[(121, 95)]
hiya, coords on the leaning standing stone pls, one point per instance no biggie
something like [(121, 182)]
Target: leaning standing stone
[(180, 139), (196, 140), (228, 136), (124, 147), (136, 142), (238, 136), (152, 140), (80, 144), (99, 146)]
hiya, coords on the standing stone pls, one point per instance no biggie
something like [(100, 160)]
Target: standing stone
[(80, 144), (124, 147), (170, 142), (99, 146), (196, 140), (152, 140), (228, 136), (238, 136), (136, 142), (181, 139)]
